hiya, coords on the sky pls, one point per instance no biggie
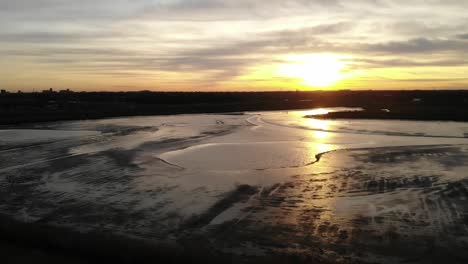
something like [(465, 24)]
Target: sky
[(233, 45)]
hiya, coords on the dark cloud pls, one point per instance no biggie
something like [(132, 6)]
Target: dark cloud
[(405, 27), (51, 37), (463, 36), (221, 10), (367, 63), (417, 45), (313, 31)]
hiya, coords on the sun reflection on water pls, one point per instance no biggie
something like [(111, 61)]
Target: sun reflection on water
[(319, 128), (314, 112), (317, 148), (320, 135), (316, 123)]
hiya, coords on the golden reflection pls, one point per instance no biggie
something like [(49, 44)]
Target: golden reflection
[(317, 123), (314, 112), (319, 126), (320, 135), (321, 148)]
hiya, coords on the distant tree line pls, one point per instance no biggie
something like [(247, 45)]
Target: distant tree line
[(18, 108)]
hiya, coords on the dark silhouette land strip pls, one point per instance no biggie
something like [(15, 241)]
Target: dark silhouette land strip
[(17, 108)]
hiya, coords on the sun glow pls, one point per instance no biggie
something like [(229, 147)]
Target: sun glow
[(317, 70)]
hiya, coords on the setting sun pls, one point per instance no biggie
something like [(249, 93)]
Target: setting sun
[(318, 70)]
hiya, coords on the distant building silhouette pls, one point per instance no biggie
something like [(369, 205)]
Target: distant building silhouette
[(66, 91), (48, 91)]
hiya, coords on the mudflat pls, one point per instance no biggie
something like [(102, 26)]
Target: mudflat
[(251, 187)]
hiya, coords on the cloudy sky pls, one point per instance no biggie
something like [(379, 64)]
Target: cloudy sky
[(241, 45)]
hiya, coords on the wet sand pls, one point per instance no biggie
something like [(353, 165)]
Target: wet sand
[(272, 186)]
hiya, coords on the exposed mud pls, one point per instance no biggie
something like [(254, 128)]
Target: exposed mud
[(352, 198), (356, 213), (241, 194)]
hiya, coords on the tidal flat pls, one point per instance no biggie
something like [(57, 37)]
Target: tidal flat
[(277, 186)]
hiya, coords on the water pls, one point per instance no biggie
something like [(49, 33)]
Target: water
[(325, 179)]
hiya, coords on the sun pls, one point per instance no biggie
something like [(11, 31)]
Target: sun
[(317, 70)]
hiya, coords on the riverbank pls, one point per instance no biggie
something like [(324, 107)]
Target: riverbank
[(416, 113)]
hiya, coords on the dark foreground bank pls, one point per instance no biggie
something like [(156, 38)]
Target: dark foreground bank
[(22, 243), (16, 108), (30, 242)]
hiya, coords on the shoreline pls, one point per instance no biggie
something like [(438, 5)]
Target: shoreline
[(416, 115)]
